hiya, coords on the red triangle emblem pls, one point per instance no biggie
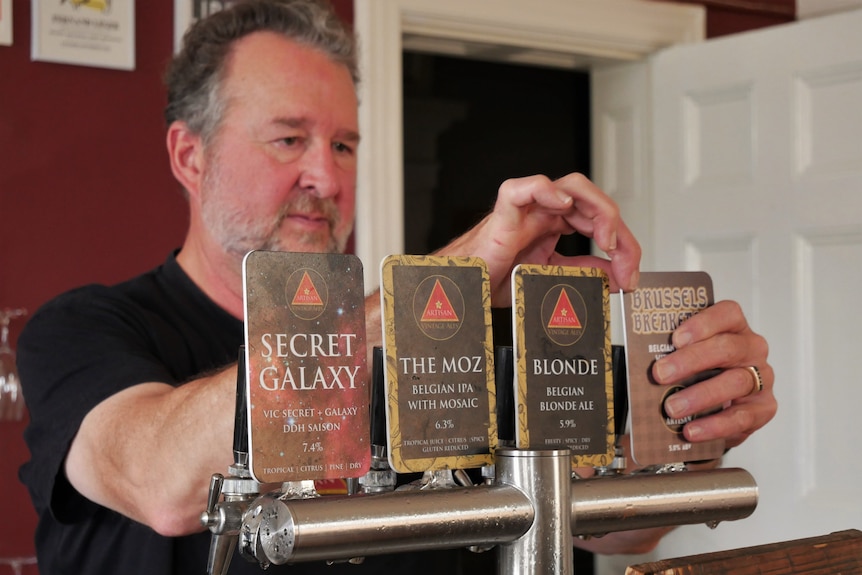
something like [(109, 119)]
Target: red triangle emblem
[(564, 315), (306, 293), (439, 308)]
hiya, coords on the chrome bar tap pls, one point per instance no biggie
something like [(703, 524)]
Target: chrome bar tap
[(230, 496)]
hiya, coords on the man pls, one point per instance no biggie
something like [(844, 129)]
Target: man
[(131, 387)]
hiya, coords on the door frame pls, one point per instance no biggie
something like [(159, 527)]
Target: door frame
[(573, 34)]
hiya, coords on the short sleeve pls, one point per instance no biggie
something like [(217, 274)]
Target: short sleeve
[(76, 351)]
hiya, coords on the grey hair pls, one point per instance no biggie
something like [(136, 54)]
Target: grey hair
[(195, 75)]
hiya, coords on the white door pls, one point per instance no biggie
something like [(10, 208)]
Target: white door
[(757, 178), (755, 174)]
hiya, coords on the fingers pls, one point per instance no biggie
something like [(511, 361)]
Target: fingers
[(573, 198), (626, 259), (596, 214), (536, 209), (614, 268), (528, 218), (734, 423), (745, 412), (623, 266), (719, 337), (723, 317)]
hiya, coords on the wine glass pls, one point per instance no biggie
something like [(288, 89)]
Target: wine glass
[(11, 397)]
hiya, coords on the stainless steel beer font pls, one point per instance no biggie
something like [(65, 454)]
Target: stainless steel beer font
[(229, 497), (443, 408)]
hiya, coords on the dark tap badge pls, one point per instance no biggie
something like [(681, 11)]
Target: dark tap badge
[(441, 401), (563, 379)]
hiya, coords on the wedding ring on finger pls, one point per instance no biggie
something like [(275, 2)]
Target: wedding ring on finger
[(756, 379)]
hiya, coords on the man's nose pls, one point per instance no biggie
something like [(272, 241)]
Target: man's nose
[(319, 171)]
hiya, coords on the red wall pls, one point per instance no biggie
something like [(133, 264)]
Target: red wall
[(86, 193), (725, 17)]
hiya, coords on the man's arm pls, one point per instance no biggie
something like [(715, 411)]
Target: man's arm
[(144, 452)]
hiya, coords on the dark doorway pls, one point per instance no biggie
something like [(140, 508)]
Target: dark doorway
[(469, 125)]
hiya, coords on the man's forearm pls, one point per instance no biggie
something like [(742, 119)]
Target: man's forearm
[(148, 452)]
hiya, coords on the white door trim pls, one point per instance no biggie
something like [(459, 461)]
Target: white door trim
[(561, 33)]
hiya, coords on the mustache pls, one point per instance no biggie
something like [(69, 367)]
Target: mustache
[(310, 204)]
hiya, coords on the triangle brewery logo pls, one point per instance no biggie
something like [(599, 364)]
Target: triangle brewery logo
[(564, 315), (439, 308), (306, 293)]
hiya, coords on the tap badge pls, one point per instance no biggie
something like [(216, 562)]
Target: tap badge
[(307, 293), (438, 307), (564, 314)]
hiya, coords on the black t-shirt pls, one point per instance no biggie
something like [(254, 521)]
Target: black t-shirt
[(91, 343), (95, 341)]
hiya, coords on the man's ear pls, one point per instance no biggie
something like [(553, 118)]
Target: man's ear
[(186, 153)]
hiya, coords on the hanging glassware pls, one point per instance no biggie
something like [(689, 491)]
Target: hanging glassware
[(11, 395)]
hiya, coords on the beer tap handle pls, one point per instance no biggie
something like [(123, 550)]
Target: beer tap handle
[(221, 551), (621, 408), (240, 426), (504, 375), (621, 394), (378, 398), (209, 518), (221, 546), (380, 477), (224, 518)]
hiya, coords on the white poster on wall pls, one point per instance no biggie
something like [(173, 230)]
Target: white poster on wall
[(6, 22), (85, 32)]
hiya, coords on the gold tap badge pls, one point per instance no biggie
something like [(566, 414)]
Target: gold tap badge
[(563, 380), (440, 398)]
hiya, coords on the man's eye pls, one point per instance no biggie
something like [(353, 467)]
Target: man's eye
[(342, 148), (290, 141)]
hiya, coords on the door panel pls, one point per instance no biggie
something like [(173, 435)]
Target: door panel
[(758, 180)]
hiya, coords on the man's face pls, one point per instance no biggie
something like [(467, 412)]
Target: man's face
[(280, 173)]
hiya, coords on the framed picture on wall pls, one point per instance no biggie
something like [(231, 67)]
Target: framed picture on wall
[(5, 22), (188, 11), (97, 33)]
